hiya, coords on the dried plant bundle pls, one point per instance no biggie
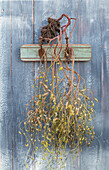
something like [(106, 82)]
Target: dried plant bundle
[(60, 114)]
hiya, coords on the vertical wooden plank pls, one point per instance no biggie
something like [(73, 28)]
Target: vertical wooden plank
[(105, 80), (33, 39), (95, 34), (89, 70), (11, 112), (22, 75), (5, 88), (33, 62), (84, 69)]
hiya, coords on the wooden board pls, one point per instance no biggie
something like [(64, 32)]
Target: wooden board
[(20, 23), (29, 52)]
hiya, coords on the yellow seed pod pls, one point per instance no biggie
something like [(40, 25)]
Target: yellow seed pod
[(51, 96), (32, 158), (65, 123), (87, 127), (27, 145), (91, 109), (26, 166), (64, 138), (70, 106), (40, 111), (20, 133), (24, 123), (79, 117), (83, 138), (96, 100), (72, 113), (60, 68), (56, 109), (39, 96), (41, 77), (80, 142)]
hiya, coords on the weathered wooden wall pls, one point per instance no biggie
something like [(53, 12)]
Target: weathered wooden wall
[(20, 23)]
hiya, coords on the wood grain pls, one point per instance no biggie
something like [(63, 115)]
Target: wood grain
[(22, 74), (20, 23), (5, 89)]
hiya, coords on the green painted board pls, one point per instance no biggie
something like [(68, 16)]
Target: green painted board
[(29, 52)]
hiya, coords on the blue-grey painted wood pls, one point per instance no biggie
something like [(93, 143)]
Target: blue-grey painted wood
[(22, 75), (17, 24), (5, 89)]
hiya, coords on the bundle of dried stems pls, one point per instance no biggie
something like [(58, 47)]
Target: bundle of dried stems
[(60, 114)]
